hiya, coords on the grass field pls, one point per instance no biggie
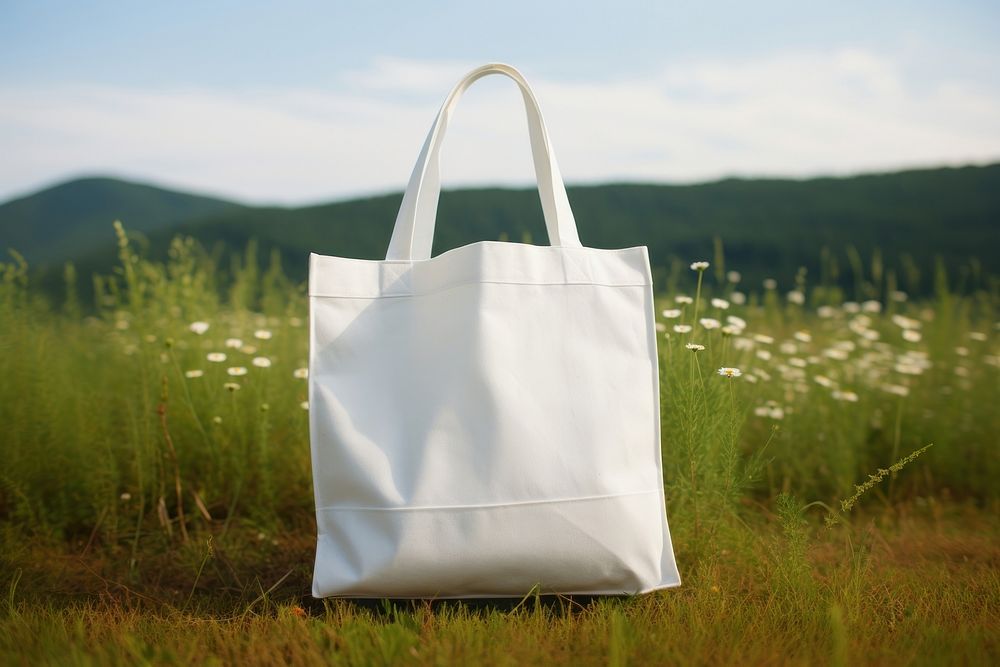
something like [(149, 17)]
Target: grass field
[(835, 501)]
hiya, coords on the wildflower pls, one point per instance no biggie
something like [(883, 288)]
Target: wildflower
[(237, 371), (231, 386), (216, 357), (121, 325), (737, 322), (977, 336), (741, 343), (848, 396), (699, 266), (730, 330), (770, 283), (682, 328), (826, 312), (683, 300), (300, 373), (721, 304), (304, 405), (660, 326), (836, 354), (824, 381), (728, 372), (788, 347), (802, 336), (738, 298), (911, 336), (898, 296), (962, 351), (262, 334), (125, 497), (234, 343), (734, 277), (194, 373), (897, 389), (851, 307), (771, 410), (904, 322), (694, 347), (199, 327), (249, 349), (762, 339), (764, 355), (261, 362), (907, 368), (797, 362), (672, 313), (796, 297), (709, 323), (871, 306)]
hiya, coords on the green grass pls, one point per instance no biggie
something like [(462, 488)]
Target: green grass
[(150, 513)]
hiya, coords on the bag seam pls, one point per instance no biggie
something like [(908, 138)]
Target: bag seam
[(431, 508), (473, 282)]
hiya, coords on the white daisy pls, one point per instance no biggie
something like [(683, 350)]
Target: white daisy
[(216, 357), (694, 347), (728, 372), (682, 328), (262, 334), (300, 373), (195, 373), (237, 371), (199, 327), (261, 362), (699, 266)]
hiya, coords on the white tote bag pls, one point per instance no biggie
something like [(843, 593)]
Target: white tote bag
[(486, 422)]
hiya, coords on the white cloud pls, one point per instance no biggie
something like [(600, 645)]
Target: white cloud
[(794, 114)]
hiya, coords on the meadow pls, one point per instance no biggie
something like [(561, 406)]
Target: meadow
[(830, 461)]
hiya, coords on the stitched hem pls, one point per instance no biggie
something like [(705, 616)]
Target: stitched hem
[(471, 282), (422, 508)]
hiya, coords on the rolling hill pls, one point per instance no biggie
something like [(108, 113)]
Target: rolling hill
[(72, 219), (769, 227)]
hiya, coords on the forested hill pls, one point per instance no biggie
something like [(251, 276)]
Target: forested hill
[(768, 227)]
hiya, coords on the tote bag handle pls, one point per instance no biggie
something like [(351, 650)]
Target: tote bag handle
[(413, 234)]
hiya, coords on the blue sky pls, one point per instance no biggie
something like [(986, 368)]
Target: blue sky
[(296, 102)]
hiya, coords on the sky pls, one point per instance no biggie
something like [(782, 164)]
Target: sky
[(302, 102)]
